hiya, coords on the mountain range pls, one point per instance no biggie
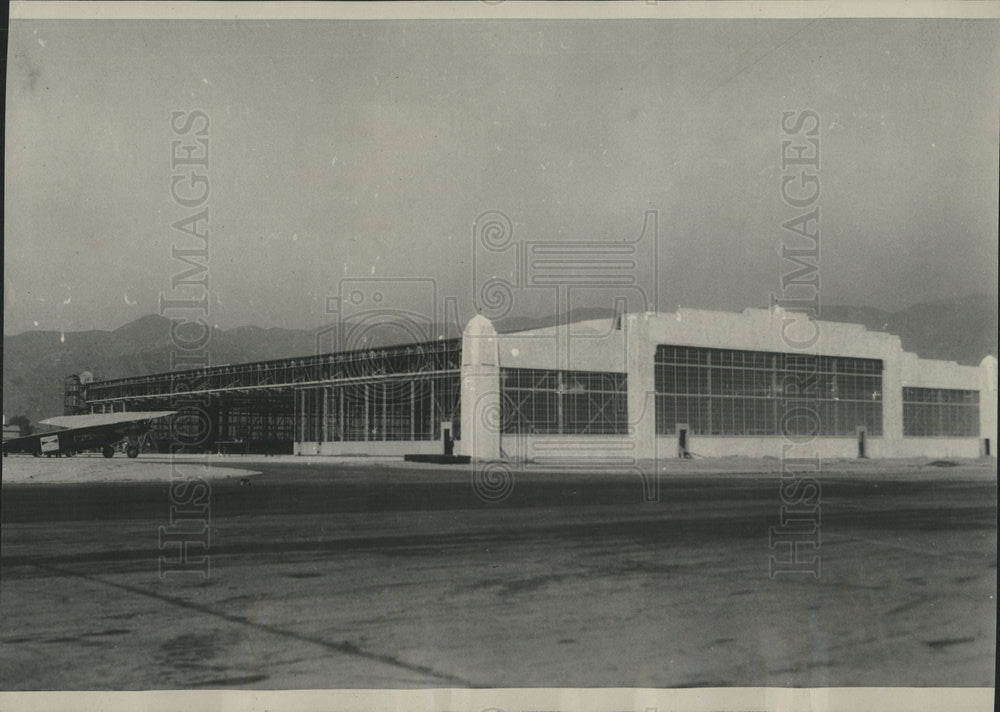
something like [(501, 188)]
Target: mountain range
[(35, 362)]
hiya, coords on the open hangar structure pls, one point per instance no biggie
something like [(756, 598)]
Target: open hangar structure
[(636, 386)]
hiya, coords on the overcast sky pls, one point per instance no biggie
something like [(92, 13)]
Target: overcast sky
[(368, 149)]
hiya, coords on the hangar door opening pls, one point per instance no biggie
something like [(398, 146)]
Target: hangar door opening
[(447, 438)]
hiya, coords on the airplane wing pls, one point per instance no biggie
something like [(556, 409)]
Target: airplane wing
[(87, 432), (98, 419)]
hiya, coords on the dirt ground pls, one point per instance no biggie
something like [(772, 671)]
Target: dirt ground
[(373, 575), (24, 469)]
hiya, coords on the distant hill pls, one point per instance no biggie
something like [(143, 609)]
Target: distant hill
[(962, 330), (35, 362)]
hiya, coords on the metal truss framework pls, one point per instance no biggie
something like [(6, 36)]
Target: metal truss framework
[(408, 406), (252, 407)]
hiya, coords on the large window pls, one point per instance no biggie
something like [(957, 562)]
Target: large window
[(551, 402), (940, 411), (393, 393), (380, 409), (727, 392)]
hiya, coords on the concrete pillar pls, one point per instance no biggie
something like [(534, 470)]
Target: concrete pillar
[(639, 357), (893, 443), (988, 403), (480, 434)]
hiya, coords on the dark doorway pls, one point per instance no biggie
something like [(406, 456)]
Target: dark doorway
[(861, 443), (682, 441), (449, 442), (986, 447)]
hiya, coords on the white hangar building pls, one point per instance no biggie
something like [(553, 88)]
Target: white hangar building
[(706, 383), (637, 386)]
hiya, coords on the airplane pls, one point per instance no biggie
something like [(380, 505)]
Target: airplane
[(88, 432)]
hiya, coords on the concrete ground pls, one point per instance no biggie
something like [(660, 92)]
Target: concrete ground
[(94, 468), (330, 573)]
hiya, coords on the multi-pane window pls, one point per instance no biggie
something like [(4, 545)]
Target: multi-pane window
[(380, 409), (729, 392), (552, 402), (940, 411), (392, 393)]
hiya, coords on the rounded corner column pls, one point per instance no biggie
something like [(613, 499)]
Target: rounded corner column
[(480, 430)]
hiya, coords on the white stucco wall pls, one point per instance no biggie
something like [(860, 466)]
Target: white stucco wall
[(628, 345), (599, 345), (387, 448), (988, 402)]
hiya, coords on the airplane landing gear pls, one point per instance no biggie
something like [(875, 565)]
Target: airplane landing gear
[(108, 451), (132, 451)]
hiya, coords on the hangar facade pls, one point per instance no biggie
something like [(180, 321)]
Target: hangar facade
[(646, 385)]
